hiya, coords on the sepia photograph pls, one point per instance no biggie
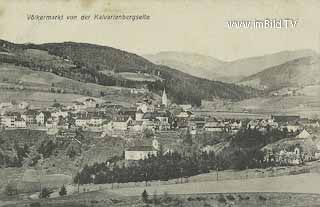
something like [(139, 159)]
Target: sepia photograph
[(159, 103)]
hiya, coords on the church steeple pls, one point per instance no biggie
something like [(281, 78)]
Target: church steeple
[(164, 98)]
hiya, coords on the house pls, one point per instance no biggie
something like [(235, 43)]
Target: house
[(182, 119), (20, 123), (51, 124), (13, 120), (136, 126), (139, 115), (128, 112), (285, 118), (79, 106), (290, 151), (82, 121), (141, 152), (30, 117), (186, 107), (303, 135), (145, 106), (90, 103), (88, 120), (139, 91), (291, 128), (59, 113), (214, 127), (42, 117), (197, 123), (23, 105), (8, 119), (120, 123)]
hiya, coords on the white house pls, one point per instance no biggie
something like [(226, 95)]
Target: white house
[(42, 117), (141, 152), (303, 135), (20, 123)]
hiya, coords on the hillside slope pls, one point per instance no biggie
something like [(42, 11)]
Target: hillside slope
[(232, 71), (102, 65), (194, 64), (296, 73)]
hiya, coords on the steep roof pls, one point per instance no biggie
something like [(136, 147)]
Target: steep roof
[(141, 148)]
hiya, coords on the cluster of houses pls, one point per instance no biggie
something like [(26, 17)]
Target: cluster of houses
[(116, 120)]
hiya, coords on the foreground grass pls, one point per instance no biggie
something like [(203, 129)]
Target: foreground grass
[(204, 200)]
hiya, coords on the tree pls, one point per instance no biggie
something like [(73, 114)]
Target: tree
[(63, 191), (145, 196), (188, 138), (45, 193)]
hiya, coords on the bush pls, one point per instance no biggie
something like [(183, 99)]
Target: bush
[(45, 193), (261, 198), (230, 198), (63, 191), (221, 199), (145, 196), (36, 204), (244, 198)]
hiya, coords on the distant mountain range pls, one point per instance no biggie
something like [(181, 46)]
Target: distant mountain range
[(233, 71), (191, 63), (108, 66)]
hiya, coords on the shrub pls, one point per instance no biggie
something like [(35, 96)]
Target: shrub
[(145, 196), (45, 193), (261, 198), (230, 198), (63, 191), (244, 198), (221, 199), (36, 204)]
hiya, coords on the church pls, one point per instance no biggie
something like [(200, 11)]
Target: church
[(164, 99)]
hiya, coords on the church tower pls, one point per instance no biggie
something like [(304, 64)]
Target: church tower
[(164, 98)]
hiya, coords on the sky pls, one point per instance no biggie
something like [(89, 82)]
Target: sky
[(174, 25)]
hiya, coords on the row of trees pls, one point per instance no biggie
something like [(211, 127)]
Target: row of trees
[(161, 167)]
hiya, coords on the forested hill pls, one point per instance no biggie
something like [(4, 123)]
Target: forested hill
[(105, 65)]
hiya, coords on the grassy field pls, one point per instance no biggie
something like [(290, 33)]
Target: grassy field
[(36, 86), (139, 77), (97, 199), (306, 106)]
